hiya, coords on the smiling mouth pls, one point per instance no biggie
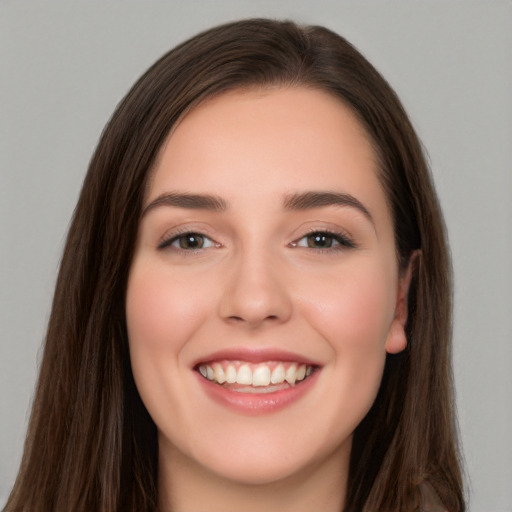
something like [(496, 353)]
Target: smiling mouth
[(245, 377)]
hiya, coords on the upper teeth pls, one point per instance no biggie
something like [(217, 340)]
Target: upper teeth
[(255, 374)]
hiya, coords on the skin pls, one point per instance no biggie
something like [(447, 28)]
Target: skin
[(257, 284)]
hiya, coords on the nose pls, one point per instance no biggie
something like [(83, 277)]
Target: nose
[(255, 293)]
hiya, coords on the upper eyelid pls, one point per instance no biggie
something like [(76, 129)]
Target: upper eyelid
[(343, 238), (169, 240), (301, 232), (333, 234), (181, 230), (331, 230)]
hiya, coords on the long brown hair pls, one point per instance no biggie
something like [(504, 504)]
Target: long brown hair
[(91, 444)]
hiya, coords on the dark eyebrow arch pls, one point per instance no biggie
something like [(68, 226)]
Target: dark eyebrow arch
[(188, 201), (309, 200)]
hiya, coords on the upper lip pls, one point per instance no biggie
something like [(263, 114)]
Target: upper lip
[(256, 355)]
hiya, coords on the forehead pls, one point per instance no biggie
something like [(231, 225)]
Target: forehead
[(267, 140)]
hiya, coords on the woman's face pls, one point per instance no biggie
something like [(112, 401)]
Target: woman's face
[(264, 292)]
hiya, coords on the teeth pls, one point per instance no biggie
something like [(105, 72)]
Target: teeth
[(244, 375), (278, 375), (230, 374), (291, 375), (259, 375), (219, 375)]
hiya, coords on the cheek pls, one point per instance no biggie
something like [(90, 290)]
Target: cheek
[(161, 309), (353, 314), (354, 310)]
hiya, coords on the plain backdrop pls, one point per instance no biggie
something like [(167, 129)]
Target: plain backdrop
[(65, 65)]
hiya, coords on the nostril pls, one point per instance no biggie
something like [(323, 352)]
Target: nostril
[(239, 319), (252, 303)]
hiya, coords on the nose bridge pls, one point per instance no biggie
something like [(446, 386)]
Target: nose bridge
[(256, 291)]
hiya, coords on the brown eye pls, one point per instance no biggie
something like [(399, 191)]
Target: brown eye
[(325, 240), (320, 240), (188, 242)]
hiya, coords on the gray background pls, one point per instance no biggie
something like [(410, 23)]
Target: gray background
[(65, 65)]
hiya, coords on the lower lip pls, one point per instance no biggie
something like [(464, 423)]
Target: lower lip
[(257, 403)]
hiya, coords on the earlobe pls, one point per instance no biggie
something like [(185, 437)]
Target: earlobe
[(397, 340)]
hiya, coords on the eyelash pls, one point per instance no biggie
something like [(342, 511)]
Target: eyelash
[(176, 237), (341, 240)]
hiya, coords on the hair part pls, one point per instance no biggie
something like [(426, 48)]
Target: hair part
[(91, 444)]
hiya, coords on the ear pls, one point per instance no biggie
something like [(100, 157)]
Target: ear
[(396, 340)]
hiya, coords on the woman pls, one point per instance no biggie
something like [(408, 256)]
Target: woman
[(253, 305)]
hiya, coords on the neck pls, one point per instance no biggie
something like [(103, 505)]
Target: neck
[(187, 487)]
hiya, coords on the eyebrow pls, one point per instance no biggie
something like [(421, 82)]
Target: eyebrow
[(292, 202), (310, 200), (188, 201)]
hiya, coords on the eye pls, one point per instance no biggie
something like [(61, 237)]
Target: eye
[(324, 240), (188, 242)]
